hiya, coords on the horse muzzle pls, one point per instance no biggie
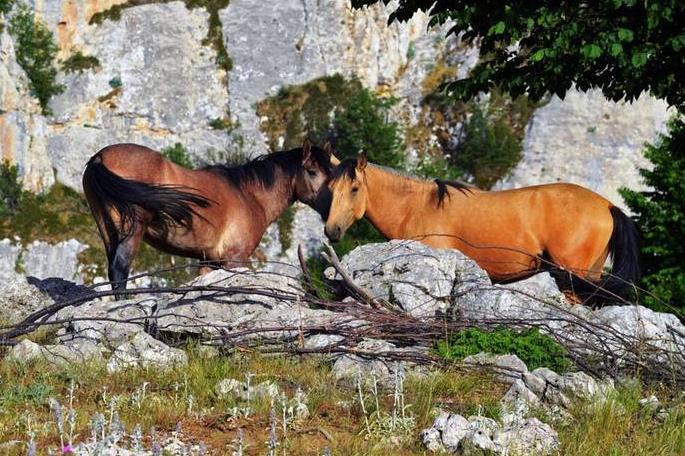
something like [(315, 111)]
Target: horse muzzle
[(333, 233)]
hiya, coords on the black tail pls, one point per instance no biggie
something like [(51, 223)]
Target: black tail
[(624, 252), (170, 205), (624, 248)]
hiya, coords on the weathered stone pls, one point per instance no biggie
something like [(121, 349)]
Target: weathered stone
[(19, 299), (455, 429), (60, 355), (43, 260), (9, 253), (153, 102), (528, 437), (416, 278), (145, 351), (507, 368), (22, 127), (596, 143)]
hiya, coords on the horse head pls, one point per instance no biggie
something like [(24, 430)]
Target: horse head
[(349, 196)]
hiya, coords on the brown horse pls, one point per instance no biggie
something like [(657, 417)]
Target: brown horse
[(512, 234), (217, 214)]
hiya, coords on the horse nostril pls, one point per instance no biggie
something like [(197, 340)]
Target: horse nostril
[(333, 233)]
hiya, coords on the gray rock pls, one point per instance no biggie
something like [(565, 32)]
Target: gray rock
[(480, 435), (455, 429), (596, 143), (145, 351), (9, 255), (107, 322), (60, 355), (349, 366), (170, 89), (528, 437), (19, 299), (418, 279), (507, 368), (43, 260), (22, 127)]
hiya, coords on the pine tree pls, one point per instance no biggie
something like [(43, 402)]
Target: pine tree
[(660, 216)]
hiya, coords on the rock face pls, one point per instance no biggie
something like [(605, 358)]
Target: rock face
[(22, 127), (41, 260), (156, 85), (590, 141)]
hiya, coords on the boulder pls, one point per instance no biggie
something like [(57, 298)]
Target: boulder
[(507, 368), (60, 355), (479, 435), (416, 278), (145, 351)]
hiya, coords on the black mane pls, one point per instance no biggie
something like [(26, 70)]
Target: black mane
[(346, 170), (443, 191), (263, 168)]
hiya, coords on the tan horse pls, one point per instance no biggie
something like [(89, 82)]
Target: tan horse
[(512, 234), (217, 214)]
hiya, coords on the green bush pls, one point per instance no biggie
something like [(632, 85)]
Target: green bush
[(362, 124), (80, 62), (36, 51), (11, 191), (660, 217), (489, 148), (178, 154), (532, 347)]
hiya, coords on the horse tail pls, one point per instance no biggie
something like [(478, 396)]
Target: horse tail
[(169, 205), (624, 249)]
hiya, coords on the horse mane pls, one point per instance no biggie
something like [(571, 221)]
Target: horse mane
[(263, 169), (346, 170), (443, 190)]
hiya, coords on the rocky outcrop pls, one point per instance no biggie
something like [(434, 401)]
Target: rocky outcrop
[(156, 85), (41, 260), (22, 127), (588, 140), (480, 435)]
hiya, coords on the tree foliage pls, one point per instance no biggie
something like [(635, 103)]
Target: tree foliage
[(624, 47), (660, 215)]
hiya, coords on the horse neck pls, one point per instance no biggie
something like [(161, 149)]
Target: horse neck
[(275, 199), (393, 200)]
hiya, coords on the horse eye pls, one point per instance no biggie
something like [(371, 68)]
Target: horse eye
[(354, 189), (311, 172)]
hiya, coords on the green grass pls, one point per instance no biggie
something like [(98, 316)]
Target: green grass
[(332, 405), (532, 347)]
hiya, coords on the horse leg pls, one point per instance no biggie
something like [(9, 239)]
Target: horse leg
[(120, 257), (578, 276)]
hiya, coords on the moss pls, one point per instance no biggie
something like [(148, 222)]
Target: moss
[(78, 63), (178, 154), (221, 123)]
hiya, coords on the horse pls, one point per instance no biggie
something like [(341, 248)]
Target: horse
[(512, 234), (216, 214)]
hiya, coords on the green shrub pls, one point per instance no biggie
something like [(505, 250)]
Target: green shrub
[(11, 191), (36, 51), (660, 217), (178, 154), (489, 148), (79, 62), (532, 347)]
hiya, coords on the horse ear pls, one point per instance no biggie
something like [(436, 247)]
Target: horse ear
[(306, 150), (328, 150), (361, 162)]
